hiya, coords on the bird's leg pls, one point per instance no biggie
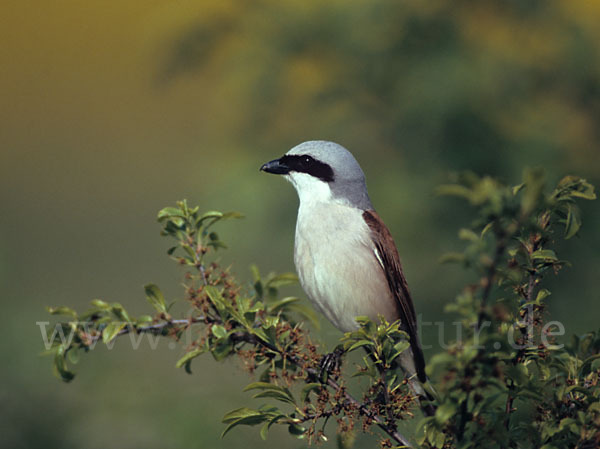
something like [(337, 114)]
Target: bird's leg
[(330, 363)]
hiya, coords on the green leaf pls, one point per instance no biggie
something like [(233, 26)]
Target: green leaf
[(346, 440), (455, 190), (452, 257), (296, 430), (272, 391), (573, 221), (73, 355), (102, 305), (270, 321), (434, 435), (306, 312), (534, 180), (236, 215), (61, 369), (258, 287), (366, 325), (264, 430), (222, 349), (119, 311), (213, 215), (313, 386), (442, 359), (570, 424), (219, 331), (576, 186), (544, 254), (169, 212), (444, 412), (519, 374), (357, 344), (594, 407), (215, 242), (275, 395), (144, 319), (282, 279), (399, 348), (243, 416), (189, 356), (111, 331), (589, 363), (486, 228), (276, 417), (282, 303), (542, 294), (62, 310), (587, 192), (516, 189), (255, 272), (215, 296), (468, 234)]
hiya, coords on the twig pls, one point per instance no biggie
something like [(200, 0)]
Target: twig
[(386, 395), (502, 242), (508, 410), (315, 374), (152, 328), (489, 280), (312, 372), (363, 410), (528, 318)]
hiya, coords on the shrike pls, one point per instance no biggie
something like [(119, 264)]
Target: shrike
[(345, 256)]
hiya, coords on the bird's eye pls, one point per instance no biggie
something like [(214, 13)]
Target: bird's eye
[(307, 160)]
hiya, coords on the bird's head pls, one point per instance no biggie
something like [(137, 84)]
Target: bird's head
[(323, 171)]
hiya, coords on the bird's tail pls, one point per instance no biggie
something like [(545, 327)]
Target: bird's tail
[(419, 383), (425, 393)]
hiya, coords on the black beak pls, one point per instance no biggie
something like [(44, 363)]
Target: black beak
[(276, 167)]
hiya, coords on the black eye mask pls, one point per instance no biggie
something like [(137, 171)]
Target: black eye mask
[(309, 165)]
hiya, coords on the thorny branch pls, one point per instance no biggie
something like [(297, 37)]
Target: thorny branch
[(312, 373), (491, 274)]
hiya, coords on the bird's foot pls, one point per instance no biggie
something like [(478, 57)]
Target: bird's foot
[(331, 363)]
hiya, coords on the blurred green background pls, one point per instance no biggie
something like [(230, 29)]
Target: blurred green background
[(112, 110)]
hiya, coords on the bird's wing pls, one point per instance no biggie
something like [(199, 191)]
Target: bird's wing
[(387, 255)]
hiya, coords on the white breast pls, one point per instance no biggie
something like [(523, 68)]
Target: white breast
[(337, 264)]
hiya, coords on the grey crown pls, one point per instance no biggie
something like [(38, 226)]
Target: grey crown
[(349, 180)]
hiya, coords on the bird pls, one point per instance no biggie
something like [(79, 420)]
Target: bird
[(345, 256)]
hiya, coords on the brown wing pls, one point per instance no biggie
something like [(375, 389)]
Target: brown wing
[(390, 261)]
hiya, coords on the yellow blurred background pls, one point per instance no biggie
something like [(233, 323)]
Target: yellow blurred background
[(111, 110)]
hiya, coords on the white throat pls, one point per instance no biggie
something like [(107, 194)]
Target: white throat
[(310, 189)]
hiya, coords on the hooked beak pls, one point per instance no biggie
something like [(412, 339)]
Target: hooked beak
[(276, 167)]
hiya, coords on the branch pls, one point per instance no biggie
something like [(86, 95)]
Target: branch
[(152, 328), (316, 375), (489, 280), (397, 436), (528, 318), (313, 373)]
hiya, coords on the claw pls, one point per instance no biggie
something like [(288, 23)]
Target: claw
[(331, 363)]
